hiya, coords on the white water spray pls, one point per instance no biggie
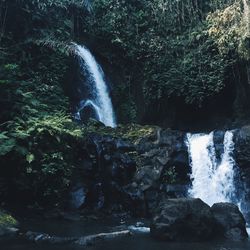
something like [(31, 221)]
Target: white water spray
[(101, 100), (212, 181)]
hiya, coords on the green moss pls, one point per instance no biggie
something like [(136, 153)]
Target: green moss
[(7, 221), (132, 132)]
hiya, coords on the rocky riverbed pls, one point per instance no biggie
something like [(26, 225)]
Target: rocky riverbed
[(133, 167), (135, 171), (66, 228)]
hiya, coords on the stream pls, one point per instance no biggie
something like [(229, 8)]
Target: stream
[(83, 227)]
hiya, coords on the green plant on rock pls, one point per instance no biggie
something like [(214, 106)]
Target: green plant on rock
[(170, 175), (231, 29), (7, 144), (45, 149), (7, 220)]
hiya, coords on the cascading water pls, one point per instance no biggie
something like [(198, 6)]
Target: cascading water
[(99, 98), (212, 180)]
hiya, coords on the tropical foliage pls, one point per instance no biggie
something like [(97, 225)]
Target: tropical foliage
[(161, 49)]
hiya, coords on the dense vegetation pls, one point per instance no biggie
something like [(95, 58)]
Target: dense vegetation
[(161, 50), (174, 49)]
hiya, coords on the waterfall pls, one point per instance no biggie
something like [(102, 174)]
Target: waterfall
[(212, 179), (99, 100)]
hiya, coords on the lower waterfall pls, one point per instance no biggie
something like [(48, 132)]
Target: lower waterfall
[(213, 179)]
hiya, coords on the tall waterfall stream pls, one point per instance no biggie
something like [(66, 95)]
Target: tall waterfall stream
[(213, 179), (100, 100)]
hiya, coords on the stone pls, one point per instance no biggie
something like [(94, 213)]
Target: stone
[(187, 219), (78, 196), (230, 222), (183, 219), (242, 147), (176, 190)]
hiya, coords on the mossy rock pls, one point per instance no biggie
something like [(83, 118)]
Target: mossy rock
[(8, 224), (131, 132)]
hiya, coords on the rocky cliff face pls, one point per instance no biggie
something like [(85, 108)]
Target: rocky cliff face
[(132, 171), (242, 155), (133, 167)]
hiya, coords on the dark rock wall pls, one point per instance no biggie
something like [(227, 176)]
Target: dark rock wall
[(134, 175), (242, 155), (119, 174)]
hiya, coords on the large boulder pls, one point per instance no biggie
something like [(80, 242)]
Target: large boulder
[(182, 220), (187, 219), (230, 223)]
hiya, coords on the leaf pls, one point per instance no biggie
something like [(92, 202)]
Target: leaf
[(58, 138), (30, 158), (3, 136), (6, 146)]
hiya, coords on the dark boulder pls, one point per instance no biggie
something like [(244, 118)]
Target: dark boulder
[(176, 190), (245, 204), (187, 219), (242, 147), (230, 222), (182, 220), (78, 196), (179, 160), (242, 157), (219, 143), (135, 200)]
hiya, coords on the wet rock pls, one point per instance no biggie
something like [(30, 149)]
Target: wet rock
[(219, 143), (152, 197), (242, 157), (78, 196), (230, 222), (134, 201), (124, 145), (99, 197), (128, 173), (179, 160), (245, 204), (139, 229), (242, 147), (46, 238), (83, 241), (182, 220), (148, 175), (189, 219), (176, 190)]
